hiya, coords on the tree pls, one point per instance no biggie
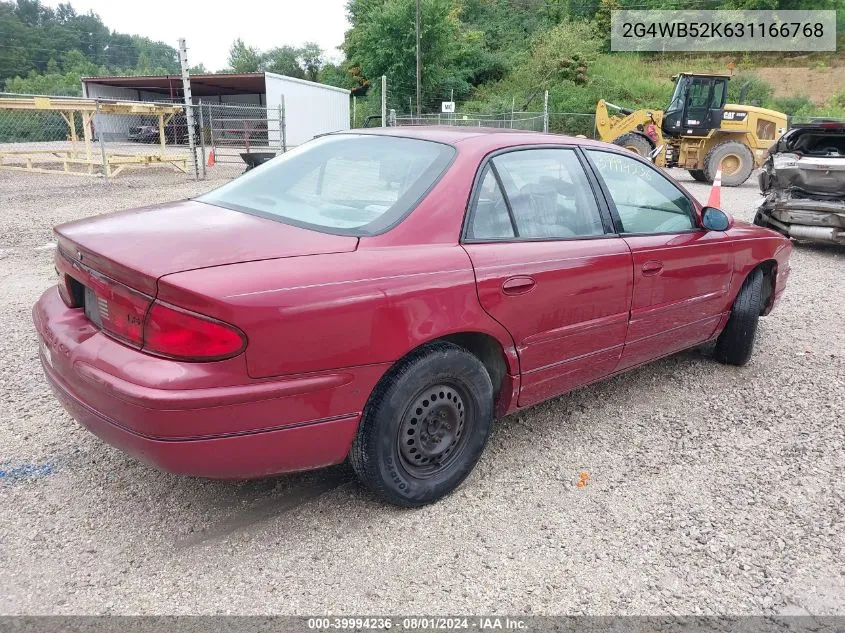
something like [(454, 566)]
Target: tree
[(65, 13), (243, 58), (310, 58), (32, 34), (283, 60), (383, 44)]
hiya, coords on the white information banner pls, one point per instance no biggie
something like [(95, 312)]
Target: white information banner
[(722, 31)]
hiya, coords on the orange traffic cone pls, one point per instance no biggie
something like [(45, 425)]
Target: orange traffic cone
[(211, 157), (715, 199)]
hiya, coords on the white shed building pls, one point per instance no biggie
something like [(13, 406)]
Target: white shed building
[(310, 108)]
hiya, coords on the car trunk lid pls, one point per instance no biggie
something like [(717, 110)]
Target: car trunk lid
[(139, 246)]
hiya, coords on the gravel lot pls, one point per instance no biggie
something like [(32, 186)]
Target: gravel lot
[(712, 489)]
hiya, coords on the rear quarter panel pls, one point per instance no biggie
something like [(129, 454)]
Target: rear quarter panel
[(322, 312)]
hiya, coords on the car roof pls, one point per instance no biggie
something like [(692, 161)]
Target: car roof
[(470, 136)]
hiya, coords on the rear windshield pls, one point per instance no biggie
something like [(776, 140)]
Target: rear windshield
[(354, 184)]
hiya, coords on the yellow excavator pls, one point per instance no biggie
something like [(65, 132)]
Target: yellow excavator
[(698, 131)]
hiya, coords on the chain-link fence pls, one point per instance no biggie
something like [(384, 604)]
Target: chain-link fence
[(571, 123), (106, 137), (388, 103), (233, 138), (97, 137), (91, 137)]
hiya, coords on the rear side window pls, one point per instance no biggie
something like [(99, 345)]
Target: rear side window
[(535, 194), (490, 218), (645, 201), (347, 183)]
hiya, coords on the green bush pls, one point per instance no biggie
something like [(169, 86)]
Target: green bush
[(794, 105), (27, 127), (758, 92)]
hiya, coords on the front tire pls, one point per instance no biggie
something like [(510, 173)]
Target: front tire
[(736, 342), (737, 163), (425, 425)]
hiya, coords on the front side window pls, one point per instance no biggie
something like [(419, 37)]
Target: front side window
[(348, 183), (546, 196), (645, 201)]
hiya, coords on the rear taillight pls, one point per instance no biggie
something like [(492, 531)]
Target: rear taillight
[(179, 334), (135, 319), (117, 309)]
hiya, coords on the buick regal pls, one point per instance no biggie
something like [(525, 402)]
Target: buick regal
[(382, 295)]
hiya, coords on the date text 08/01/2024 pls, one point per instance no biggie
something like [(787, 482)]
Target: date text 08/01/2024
[(418, 623)]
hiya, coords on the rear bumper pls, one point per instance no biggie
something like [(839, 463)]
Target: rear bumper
[(244, 456), (203, 419)]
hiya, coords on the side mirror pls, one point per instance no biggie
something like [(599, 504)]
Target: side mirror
[(714, 219)]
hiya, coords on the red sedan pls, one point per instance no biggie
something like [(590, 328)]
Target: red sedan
[(382, 295)]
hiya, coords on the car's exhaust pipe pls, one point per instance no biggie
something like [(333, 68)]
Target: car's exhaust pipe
[(817, 233), (829, 234)]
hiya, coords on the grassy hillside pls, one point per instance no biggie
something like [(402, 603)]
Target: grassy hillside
[(495, 55), (640, 81)]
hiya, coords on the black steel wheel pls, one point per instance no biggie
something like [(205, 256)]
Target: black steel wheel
[(434, 429), (424, 426)]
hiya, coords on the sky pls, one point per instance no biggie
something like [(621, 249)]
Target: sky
[(210, 26)]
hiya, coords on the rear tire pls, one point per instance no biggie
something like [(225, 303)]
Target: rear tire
[(637, 143), (424, 426), (736, 342), (737, 163), (698, 175)]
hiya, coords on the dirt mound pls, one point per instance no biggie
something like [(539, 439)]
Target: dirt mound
[(817, 85)]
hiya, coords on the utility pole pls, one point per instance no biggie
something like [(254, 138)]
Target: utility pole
[(384, 100), (189, 109), (417, 30), (546, 111)]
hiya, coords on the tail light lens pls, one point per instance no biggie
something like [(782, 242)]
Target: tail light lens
[(117, 309), (135, 319), (179, 334)]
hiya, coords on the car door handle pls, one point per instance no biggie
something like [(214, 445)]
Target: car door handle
[(518, 285), (652, 268)]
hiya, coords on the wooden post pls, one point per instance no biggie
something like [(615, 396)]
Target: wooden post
[(73, 138), (86, 132), (103, 157), (161, 138)]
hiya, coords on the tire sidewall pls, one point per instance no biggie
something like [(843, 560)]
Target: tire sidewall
[(724, 149), (635, 140), (454, 367), (736, 342)]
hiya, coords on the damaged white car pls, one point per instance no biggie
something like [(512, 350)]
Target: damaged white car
[(803, 183)]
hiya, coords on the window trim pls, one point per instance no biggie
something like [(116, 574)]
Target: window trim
[(611, 205), (501, 185), (601, 205)]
